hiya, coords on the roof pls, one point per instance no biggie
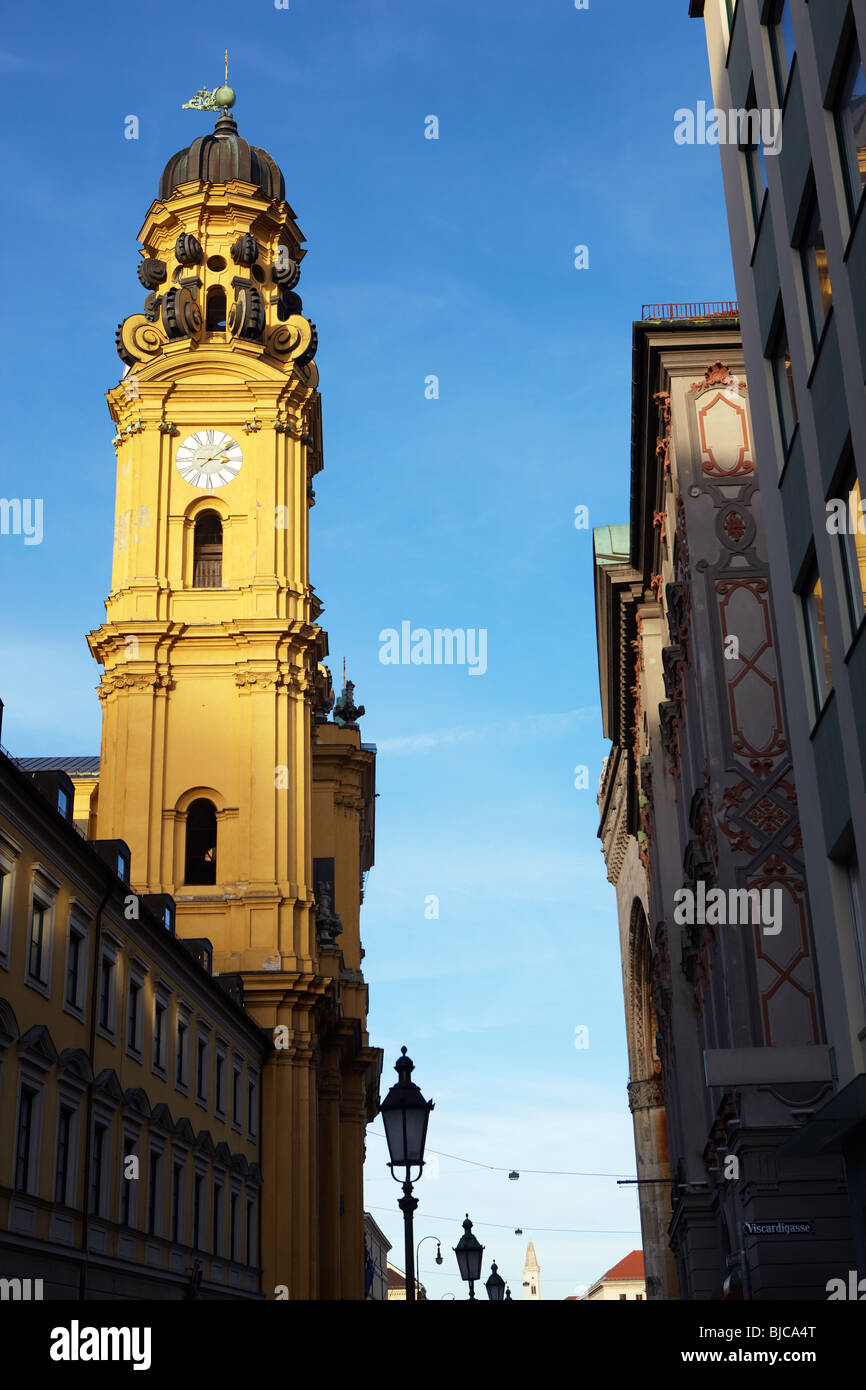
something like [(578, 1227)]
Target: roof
[(631, 1267), (611, 544), (87, 765), (219, 157)]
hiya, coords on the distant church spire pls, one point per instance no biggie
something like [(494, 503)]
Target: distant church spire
[(531, 1275)]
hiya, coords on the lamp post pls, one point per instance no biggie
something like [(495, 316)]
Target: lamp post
[(495, 1285), (405, 1113), (418, 1253), (469, 1254)]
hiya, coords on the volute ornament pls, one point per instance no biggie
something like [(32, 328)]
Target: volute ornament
[(181, 316), (289, 340), (187, 249), (151, 272), (137, 339), (245, 251), (246, 318)]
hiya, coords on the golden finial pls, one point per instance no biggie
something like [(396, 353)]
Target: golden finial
[(220, 99)]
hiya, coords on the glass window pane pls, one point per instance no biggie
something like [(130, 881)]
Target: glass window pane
[(851, 126)]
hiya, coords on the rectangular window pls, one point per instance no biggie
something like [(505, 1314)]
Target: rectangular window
[(855, 891), (197, 1195), (850, 114), (219, 1084), (97, 1168), (782, 46), (180, 1072), (132, 1040), (106, 994), (38, 922), (752, 150), (817, 645), (159, 1034), (236, 1094), (783, 385), (64, 1137), (128, 1186), (201, 1069), (217, 1218), (73, 968), (251, 1231), (176, 1196), (251, 1106), (233, 1227), (24, 1138), (153, 1192), (853, 542), (816, 274)]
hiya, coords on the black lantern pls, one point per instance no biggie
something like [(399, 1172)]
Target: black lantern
[(405, 1113), (495, 1285), (469, 1254)]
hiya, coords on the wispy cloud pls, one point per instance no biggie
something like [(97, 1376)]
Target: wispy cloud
[(531, 726)]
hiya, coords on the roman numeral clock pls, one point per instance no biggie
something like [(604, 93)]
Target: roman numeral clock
[(209, 459)]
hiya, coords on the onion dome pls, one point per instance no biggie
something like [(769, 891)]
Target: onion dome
[(221, 156)]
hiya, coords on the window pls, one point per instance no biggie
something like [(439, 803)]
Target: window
[(176, 1201), (201, 842), (215, 313), (252, 1106), (38, 924), (129, 1185), (816, 274), (75, 968), (106, 994), (850, 113), (752, 150), (217, 1218), (251, 1231), (181, 1061), (233, 1227), (855, 892), (817, 646), (783, 385), (207, 565), (622, 1298), (237, 1073), (64, 1138), (219, 1084), (197, 1197), (97, 1168), (153, 1192), (24, 1138), (782, 45), (201, 1069), (853, 542), (159, 1013), (63, 802), (133, 1023)]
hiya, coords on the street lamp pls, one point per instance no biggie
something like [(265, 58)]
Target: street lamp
[(405, 1113), (495, 1285), (418, 1254), (469, 1254)]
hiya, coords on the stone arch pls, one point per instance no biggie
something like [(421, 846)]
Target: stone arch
[(191, 520), (644, 1062)]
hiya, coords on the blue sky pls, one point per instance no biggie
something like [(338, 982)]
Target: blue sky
[(449, 257)]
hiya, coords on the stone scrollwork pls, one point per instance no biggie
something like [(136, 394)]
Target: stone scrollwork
[(246, 318), (151, 272), (181, 315), (290, 339), (188, 249), (645, 1095), (137, 339)]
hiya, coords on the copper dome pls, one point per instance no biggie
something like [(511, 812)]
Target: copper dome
[(221, 156)]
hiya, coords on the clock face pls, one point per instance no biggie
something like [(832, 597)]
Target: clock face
[(209, 459)]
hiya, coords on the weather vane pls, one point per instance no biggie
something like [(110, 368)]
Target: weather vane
[(220, 99)]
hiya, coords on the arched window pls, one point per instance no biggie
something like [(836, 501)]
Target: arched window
[(215, 314), (207, 568), (201, 842)]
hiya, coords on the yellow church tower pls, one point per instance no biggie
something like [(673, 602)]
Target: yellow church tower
[(220, 767)]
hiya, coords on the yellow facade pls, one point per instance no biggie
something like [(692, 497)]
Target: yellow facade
[(214, 695)]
